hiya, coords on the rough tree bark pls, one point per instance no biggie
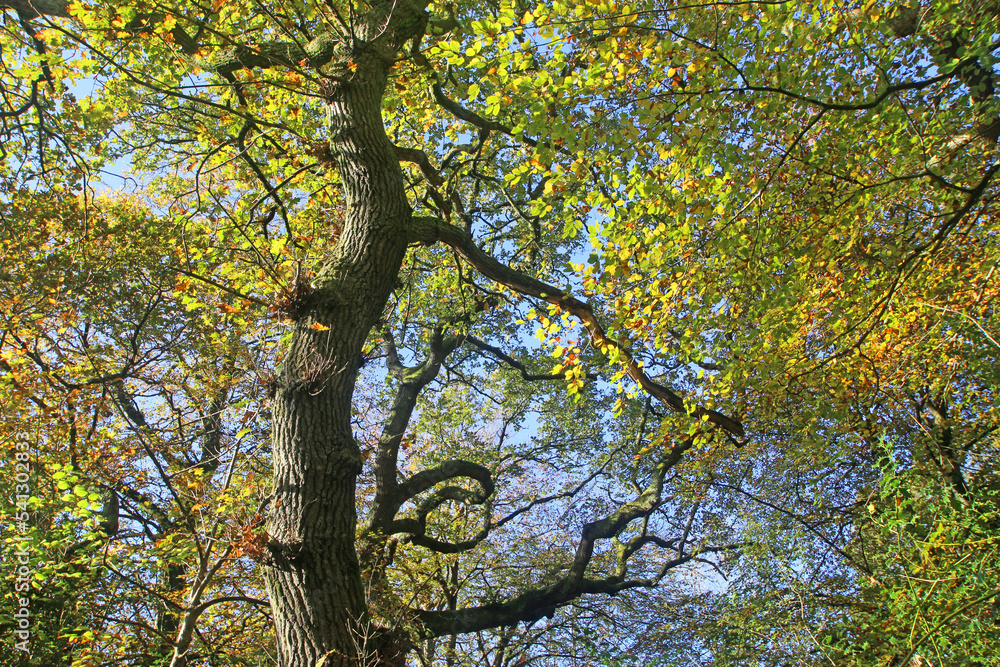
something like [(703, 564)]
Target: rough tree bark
[(314, 578)]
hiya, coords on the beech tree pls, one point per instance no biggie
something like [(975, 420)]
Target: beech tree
[(415, 324)]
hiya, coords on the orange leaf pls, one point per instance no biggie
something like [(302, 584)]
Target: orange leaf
[(319, 327)]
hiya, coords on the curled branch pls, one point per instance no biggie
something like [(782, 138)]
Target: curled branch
[(438, 498), (416, 527), (449, 470), (412, 381)]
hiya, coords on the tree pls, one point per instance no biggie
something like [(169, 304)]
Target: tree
[(277, 247)]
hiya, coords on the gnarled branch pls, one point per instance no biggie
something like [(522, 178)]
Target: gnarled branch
[(543, 601), (316, 53), (415, 528)]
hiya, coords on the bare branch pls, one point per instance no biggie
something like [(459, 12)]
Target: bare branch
[(517, 365)]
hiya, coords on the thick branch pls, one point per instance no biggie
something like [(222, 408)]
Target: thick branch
[(430, 230), (419, 158), (392, 362), (467, 115), (534, 604), (32, 9), (211, 447), (413, 380), (316, 53)]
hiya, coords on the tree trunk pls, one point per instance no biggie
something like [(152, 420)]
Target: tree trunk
[(313, 577)]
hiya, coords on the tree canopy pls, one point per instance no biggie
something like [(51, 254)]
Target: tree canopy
[(443, 333)]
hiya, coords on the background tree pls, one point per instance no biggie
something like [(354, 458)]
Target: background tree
[(753, 240)]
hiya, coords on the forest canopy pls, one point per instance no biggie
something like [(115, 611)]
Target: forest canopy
[(500, 333)]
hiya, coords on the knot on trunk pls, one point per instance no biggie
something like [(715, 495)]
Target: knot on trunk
[(285, 555)]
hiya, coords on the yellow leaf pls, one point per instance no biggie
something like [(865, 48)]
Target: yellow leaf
[(319, 327)]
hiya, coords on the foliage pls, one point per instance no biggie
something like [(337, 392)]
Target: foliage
[(59, 546), (668, 279), (936, 553)]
